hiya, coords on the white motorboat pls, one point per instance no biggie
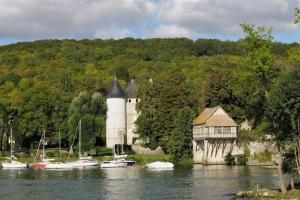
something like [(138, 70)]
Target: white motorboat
[(11, 163), (112, 164), (160, 165)]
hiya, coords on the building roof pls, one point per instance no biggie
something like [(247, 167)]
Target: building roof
[(116, 91), (208, 118), (131, 89), (205, 115), (220, 120)]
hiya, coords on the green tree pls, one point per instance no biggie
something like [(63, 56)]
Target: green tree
[(258, 50), (297, 15), (91, 110), (180, 142), (168, 94), (284, 114), (122, 74), (219, 91)]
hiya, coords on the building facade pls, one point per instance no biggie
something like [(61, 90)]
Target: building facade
[(121, 114), (214, 136)]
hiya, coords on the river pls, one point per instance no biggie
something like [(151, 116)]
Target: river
[(185, 182)]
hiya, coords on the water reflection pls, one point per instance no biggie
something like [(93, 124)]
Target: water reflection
[(184, 182)]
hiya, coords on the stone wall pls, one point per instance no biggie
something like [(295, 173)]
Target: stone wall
[(212, 151)]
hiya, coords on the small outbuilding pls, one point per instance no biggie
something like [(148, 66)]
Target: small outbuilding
[(214, 136)]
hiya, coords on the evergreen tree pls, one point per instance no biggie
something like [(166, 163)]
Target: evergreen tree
[(180, 142), (168, 94)]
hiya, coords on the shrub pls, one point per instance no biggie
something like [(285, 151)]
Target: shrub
[(242, 159), (229, 159)]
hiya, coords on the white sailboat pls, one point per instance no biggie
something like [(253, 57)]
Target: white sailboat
[(11, 163), (46, 162), (118, 161), (83, 161)]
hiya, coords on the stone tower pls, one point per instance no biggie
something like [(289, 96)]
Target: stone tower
[(131, 113), (116, 116)]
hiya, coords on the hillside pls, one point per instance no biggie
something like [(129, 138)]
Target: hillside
[(39, 79)]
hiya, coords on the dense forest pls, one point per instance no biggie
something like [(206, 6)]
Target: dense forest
[(42, 81)]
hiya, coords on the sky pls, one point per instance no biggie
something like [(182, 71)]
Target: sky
[(28, 20)]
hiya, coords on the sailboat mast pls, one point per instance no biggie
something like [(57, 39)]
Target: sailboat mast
[(79, 139), (44, 137), (11, 143), (59, 143)]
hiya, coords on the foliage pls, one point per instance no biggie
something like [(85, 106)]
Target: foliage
[(294, 54), (159, 104), (219, 91), (91, 110), (284, 106), (180, 142), (39, 79), (256, 85), (229, 159), (297, 15), (242, 159), (263, 156)]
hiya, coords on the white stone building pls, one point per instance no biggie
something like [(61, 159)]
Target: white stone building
[(121, 114), (214, 136)]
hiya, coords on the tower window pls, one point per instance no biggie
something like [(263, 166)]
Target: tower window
[(137, 100), (129, 100)]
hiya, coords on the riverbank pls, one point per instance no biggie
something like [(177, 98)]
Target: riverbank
[(268, 194)]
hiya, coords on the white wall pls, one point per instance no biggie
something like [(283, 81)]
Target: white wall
[(115, 122), (132, 116), (214, 151)]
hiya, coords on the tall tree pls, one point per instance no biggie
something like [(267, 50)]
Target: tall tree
[(180, 142), (297, 15), (91, 110), (168, 94), (284, 113), (219, 91), (258, 50)]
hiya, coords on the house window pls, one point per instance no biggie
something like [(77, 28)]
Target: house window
[(137, 100), (201, 130), (227, 130), (129, 100), (218, 130)]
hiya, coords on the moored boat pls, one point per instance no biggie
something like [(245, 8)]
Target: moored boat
[(57, 165), (11, 163), (127, 162), (82, 161), (112, 164), (160, 165)]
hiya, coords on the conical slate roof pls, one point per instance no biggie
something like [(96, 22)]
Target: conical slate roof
[(116, 91), (131, 89)]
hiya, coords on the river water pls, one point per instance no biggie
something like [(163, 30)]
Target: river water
[(184, 182)]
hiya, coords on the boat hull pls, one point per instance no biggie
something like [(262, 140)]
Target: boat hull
[(57, 166), (112, 164), (160, 165), (14, 165)]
